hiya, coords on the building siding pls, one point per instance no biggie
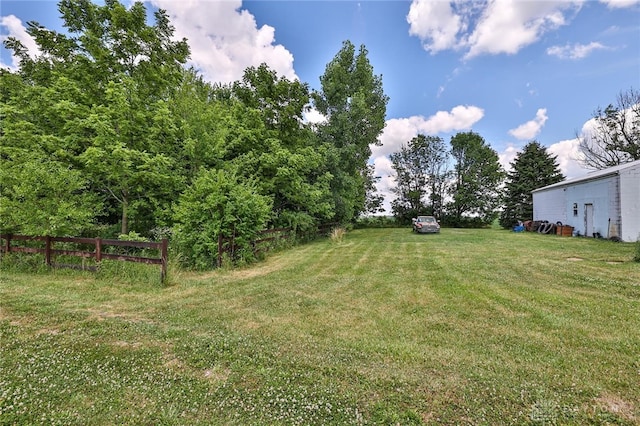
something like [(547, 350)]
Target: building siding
[(613, 197), (630, 204), (596, 193), (550, 205)]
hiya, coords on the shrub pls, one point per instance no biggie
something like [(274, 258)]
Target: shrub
[(376, 222), (217, 204), (636, 258)]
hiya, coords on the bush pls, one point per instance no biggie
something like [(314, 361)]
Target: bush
[(466, 222), (376, 222), (218, 205), (636, 258)]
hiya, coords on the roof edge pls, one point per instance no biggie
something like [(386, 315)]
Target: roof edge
[(594, 175)]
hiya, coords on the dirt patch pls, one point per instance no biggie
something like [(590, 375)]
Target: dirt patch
[(48, 331), (123, 344), (253, 271), (574, 259), (103, 314), (259, 270), (618, 406), (217, 374)]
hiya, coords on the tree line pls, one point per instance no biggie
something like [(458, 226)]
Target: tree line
[(475, 190), (106, 132)]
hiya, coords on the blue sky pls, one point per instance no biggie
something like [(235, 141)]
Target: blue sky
[(512, 71)]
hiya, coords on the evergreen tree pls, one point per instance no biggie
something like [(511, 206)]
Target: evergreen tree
[(532, 168)]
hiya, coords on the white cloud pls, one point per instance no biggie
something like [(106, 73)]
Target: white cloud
[(17, 30), (530, 129), (506, 157), (225, 40), (618, 4), (401, 130), (575, 51), (313, 116), (492, 27), (568, 153), (508, 26), (435, 23)]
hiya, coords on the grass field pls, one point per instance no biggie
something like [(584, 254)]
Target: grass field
[(386, 327)]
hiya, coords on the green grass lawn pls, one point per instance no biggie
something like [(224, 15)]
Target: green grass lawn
[(386, 327)]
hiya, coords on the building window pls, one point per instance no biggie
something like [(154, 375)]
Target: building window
[(575, 209)]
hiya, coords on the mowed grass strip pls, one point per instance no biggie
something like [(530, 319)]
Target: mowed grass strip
[(385, 327)]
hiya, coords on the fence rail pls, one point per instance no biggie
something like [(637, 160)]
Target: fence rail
[(266, 237), (228, 245), (98, 254)]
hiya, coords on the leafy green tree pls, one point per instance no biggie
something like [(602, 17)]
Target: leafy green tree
[(205, 119), (615, 137), (218, 204), (116, 127), (280, 151), (420, 168), (532, 168), (40, 192), (411, 180), (437, 168), (281, 101), (477, 179), (353, 101), (374, 200), (40, 196)]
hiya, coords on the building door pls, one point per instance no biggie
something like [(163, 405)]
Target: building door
[(588, 220)]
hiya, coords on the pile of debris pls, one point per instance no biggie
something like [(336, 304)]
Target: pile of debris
[(546, 227)]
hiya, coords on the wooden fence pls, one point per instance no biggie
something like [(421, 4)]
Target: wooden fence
[(269, 237), (266, 239), (98, 253)]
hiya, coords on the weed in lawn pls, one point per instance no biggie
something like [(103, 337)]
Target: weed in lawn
[(337, 234)]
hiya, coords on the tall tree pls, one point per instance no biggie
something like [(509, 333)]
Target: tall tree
[(420, 173), (123, 71), (615, 136), (437, 167), (283, 156), (532, 168), (41, 193), (477, 179), (203, 123), (374, 200), (353, 101)]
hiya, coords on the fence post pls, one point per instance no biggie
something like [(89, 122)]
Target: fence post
[(164, 257), (7, 248), (98, 250), (47, 250)]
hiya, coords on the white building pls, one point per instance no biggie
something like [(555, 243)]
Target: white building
[(604, 202)]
